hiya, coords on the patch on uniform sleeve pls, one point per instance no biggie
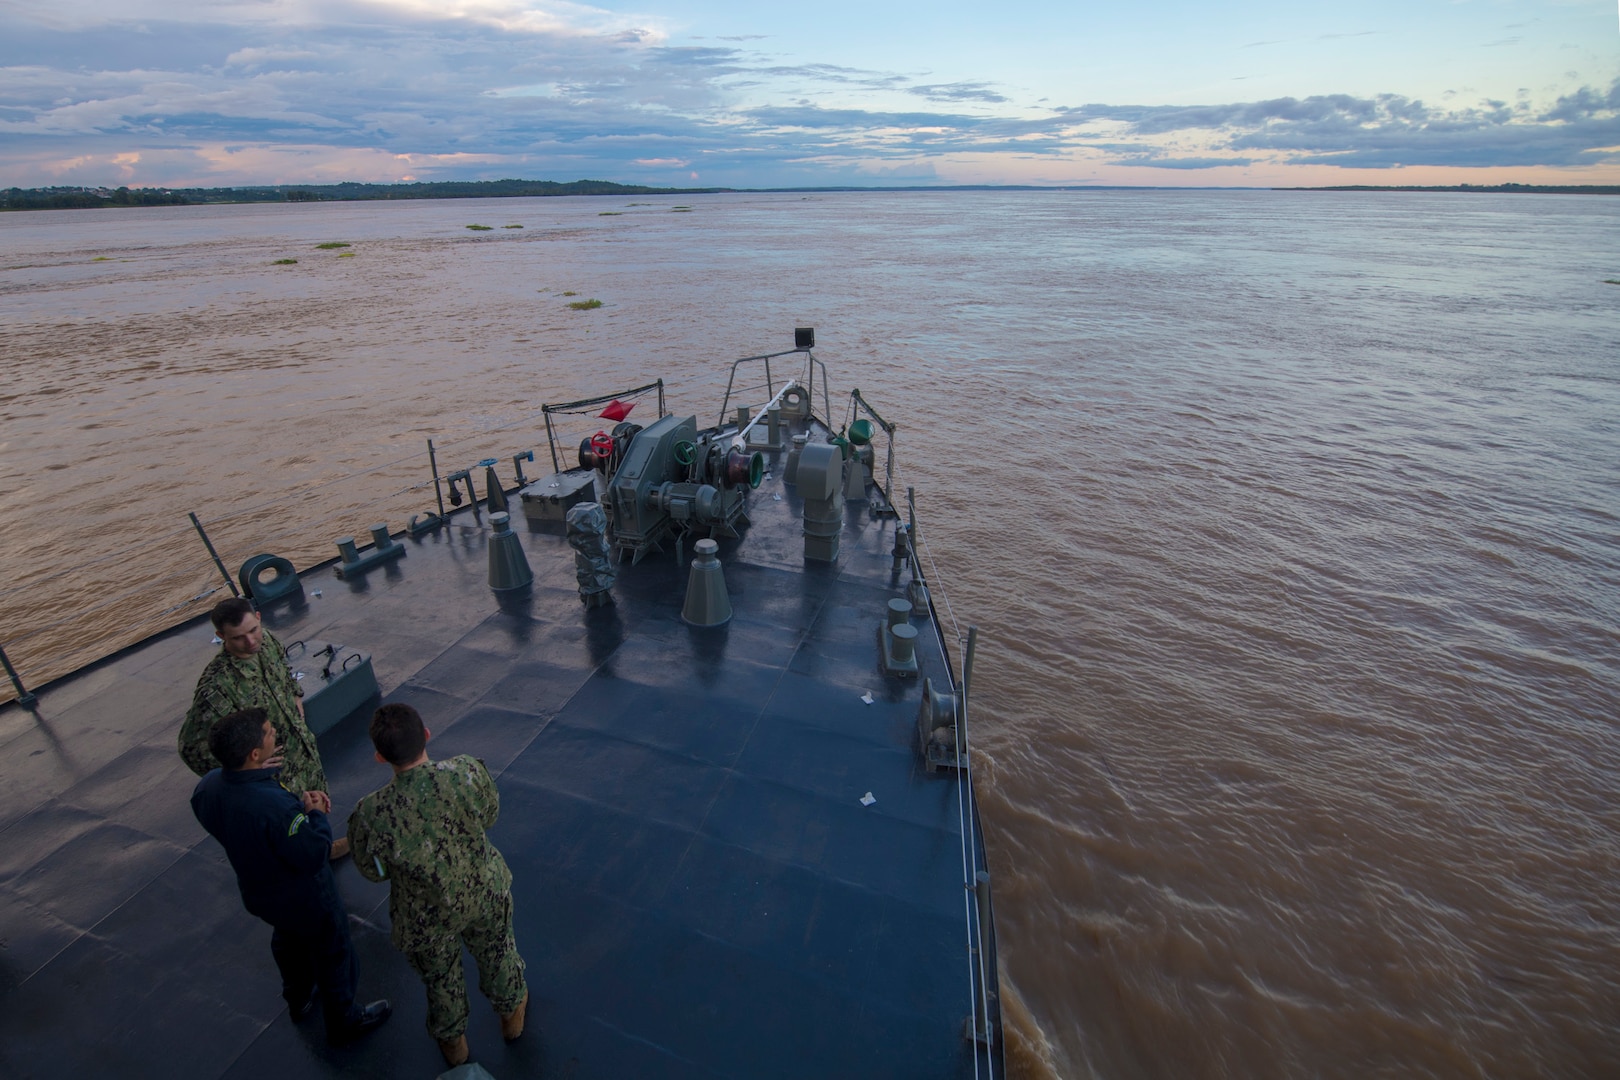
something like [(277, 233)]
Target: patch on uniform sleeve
[(292, 830)]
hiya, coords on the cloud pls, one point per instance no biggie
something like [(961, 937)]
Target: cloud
[(812, 117), (964, 91), (833, 74), (263, 57), (1387, 130), (549, 89), (1585, 104), (1164, 161), (546, 17), (1332, 108)]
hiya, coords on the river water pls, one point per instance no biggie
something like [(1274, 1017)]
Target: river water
[(1290, 522)]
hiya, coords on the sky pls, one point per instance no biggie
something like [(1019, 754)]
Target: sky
[(687, 93)]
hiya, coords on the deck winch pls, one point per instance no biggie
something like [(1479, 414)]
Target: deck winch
[(604, 451), (672, 479)]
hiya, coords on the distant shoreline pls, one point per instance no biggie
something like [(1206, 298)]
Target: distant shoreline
[(1514, 189), (78, 198)]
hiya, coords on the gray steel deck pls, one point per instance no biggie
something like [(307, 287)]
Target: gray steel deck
[(699, 891)]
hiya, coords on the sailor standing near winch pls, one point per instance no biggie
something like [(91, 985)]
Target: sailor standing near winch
[(424, 833), (251, 671)]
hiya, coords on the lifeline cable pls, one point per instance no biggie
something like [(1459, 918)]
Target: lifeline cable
[(91, 610), (934, 578), (965, 816), (298, 537), (299, 493), (119, 555)]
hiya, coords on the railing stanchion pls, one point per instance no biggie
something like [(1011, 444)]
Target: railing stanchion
[(433, 463), (551, 441), (24, 698), (209, 544), (984, 1031)]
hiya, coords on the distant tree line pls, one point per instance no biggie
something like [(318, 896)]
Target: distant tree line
[(73, 198), (69, 198), (475, 189), (1529, 189)]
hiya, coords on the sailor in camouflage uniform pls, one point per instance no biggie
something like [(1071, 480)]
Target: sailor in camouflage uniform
[(251, 671), (424, 834)]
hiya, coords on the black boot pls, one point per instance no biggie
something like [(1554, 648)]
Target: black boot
[(299, 1008), (364, 1020)]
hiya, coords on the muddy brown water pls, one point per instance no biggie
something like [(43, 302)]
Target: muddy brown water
[(1290, 522)]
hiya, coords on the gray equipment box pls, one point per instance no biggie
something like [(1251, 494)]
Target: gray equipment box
[(334, 690), (546, 502)]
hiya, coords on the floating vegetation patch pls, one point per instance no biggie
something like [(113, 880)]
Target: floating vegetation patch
[(511, 226), (285, 262), (585, 305), (680, 209), (330, 244), (347, 255), (611, 213), (1611, 281), (570, 292), (480, 228), (102, 258)]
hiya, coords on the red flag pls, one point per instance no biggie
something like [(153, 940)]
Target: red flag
[(616, 410)]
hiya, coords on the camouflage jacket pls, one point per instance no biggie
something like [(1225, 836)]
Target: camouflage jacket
[(424, 834), (230, 683)]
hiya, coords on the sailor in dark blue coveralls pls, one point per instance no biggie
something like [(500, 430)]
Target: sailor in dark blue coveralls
[(280, 846)]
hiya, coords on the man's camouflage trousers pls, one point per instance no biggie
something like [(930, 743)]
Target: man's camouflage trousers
[(500, 969)]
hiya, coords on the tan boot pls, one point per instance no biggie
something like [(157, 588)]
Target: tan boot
[(454, 1050), (512, 1022)]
